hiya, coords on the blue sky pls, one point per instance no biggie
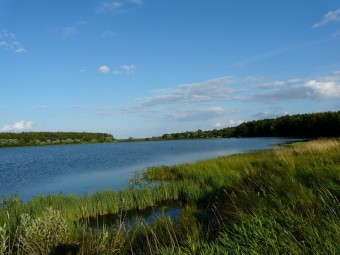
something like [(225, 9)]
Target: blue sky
[(143, 68)]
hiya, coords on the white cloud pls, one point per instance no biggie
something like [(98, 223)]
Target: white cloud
[(200, 114), (104, 69), (108, 34), (194, 93), (276, 95), (218, 124), (110, 6), (271, 84), (10, 42), (18, 126), (330, 16), (320, 88), (328, 87), (127, 69), (269, 114), (294, 80), (41, 107), (234, 122), (173, 103), (230, 123), (69, 31), (20, 50), (116, 6)]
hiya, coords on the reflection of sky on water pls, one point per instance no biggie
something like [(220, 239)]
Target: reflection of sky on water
[(131, 217), (86, 168), (82, 183), (199, 156)]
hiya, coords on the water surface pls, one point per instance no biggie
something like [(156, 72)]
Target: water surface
[(86, 168)]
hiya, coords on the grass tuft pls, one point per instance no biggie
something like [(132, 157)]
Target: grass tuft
[(282, 201)]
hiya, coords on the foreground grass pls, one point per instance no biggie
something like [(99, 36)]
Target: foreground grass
[(283, 201)]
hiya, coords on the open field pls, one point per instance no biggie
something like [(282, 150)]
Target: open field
[(283, 201)]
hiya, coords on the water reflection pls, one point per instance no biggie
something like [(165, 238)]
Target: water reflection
[(86, 168), (129, 218)]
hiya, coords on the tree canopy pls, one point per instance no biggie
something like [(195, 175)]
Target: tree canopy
[(9, 139), (309, 125)]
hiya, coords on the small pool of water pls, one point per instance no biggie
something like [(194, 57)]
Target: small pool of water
[(129, 218)]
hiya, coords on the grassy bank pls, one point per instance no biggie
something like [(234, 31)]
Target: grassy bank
[(283, 201)]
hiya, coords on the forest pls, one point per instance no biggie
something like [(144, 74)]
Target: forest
[(309, 125), (8, 139)]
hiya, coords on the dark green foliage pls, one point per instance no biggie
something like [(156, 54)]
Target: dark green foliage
[(51, 138), (326, 124)]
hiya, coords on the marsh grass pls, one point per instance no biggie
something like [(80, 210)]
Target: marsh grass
[(282, 201)]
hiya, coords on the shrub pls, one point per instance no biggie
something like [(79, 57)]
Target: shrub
[(43, 234)]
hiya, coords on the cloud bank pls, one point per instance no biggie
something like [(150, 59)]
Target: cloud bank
[(18, 126), (194, 93), (197, 101), (200, 114), (320, 88), (258, 90)]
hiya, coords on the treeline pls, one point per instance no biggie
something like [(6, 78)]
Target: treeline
[(326, 124), (51, 138), (309, 125), (225, 132)]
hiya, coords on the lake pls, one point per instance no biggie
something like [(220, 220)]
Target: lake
[(85, 168)]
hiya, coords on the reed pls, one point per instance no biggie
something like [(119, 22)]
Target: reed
[(282, 201)]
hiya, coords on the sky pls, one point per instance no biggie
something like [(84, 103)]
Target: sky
[(143, 68)]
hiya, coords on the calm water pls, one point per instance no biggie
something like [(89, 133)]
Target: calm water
[(85, 168)]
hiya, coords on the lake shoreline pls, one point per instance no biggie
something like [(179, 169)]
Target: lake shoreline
[(91, 167), (219, 196)]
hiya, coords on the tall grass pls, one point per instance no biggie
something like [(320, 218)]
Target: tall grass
[(283, 201)]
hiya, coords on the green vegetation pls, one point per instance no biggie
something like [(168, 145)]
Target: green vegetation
[(52, 138), (283, 201), (313, 125)]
